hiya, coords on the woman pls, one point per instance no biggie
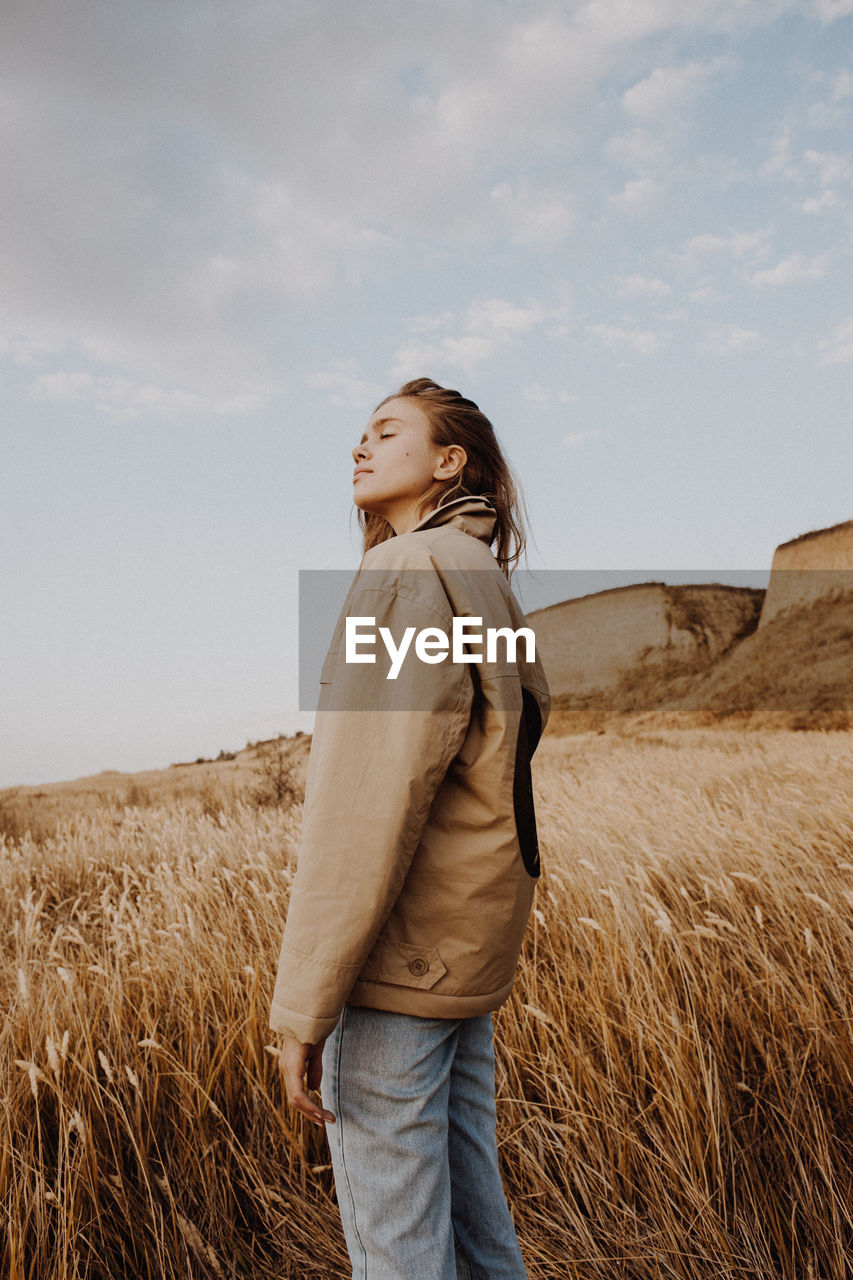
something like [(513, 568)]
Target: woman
[(419, 852)]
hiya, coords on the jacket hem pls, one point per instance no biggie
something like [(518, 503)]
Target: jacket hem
[(426, 1004)]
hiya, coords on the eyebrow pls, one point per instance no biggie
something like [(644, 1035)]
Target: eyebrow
[(380, 422)]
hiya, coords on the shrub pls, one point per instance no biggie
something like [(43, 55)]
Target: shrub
[(278, 785)]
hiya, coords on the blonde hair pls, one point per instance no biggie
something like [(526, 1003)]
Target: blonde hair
[(454, 420)]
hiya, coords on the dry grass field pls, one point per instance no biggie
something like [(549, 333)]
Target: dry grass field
[(675, 1066)]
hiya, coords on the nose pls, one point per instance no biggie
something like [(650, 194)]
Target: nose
[(360, 452)]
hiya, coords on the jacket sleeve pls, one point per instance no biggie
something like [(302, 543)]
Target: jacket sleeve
[(379, 753)]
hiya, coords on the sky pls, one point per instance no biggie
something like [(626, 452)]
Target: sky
[(229, 227)]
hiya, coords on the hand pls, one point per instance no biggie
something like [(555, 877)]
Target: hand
[(295, 1062)]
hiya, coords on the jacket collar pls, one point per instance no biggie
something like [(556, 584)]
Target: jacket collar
[(471, 514)]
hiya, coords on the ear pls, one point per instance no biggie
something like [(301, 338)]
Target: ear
[(451, 463)]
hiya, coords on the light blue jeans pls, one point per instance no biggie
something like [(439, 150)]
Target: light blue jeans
[(413, 1150)]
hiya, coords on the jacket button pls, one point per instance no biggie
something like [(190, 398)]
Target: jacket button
[(418, 967)]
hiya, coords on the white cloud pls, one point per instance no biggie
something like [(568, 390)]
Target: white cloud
[(713, 251), (780, 162), (737, 244), (637, 195), (838, 347), (832, 111), (654, 146), (705, 290), (432, 324), (832, 169), (639, 149), (121, 397), (546, 397), (842, 87), (832, 10), (181, 190), (642, 342), (535, 216), (344, 387), (817, 204), (485, 328), (796, 267), (575, 439), (165, 223), (296, 250), (667, 90), (643, 287), (21, 349), (627, 21), (501, 320), (724, 340), (423, 359)]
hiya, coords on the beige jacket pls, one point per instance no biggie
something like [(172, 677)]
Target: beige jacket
[(419, 851)]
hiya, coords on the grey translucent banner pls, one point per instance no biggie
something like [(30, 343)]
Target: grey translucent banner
[(607, 640)]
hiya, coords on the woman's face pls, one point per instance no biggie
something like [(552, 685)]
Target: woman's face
[(396, 463)]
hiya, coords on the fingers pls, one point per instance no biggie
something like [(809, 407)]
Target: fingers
[(300, 1101), (295, 1060)]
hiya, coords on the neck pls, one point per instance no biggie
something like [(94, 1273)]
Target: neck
[(404, 517)]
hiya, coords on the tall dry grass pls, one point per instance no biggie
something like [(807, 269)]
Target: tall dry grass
[(142, 1124), (674, 1066)]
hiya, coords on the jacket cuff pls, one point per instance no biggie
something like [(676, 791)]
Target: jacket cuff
[(300, 1026), (309, 994)]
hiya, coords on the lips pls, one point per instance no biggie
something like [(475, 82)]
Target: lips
[(361, 471)]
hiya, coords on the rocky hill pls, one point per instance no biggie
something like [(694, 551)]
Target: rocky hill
[(800, 663), (597, 647), (814, 566), (714, 649), (797, 667)]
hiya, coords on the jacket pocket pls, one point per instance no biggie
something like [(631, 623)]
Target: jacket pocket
[(403, 964), (529, 733)]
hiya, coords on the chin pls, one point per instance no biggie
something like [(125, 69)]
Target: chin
[(364, 504)]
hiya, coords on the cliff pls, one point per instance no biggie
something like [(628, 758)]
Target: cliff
[(591, 645), (808, 568)]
